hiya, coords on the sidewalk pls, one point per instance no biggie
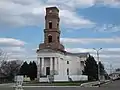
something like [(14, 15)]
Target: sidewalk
[(7, 84), (94, 83)]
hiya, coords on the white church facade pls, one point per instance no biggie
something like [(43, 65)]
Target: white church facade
[(53, 62)]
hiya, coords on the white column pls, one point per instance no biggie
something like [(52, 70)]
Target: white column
[(40, 63), (59, 68), (51, 65), (56, 66), (42, 66), (38, 67)]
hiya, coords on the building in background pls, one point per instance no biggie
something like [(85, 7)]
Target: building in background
[(53, 62), (115, 75)]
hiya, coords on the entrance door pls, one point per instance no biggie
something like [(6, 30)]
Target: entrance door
[(47, 70)]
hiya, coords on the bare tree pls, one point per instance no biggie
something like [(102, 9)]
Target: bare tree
[(8, 68), (3, 56)]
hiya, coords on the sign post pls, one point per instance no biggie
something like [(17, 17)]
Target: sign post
[(19, 82)]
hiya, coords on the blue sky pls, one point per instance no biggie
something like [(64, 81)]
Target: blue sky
[(84, 24)]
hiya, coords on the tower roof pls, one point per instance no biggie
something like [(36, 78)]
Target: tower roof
[(52, 8)]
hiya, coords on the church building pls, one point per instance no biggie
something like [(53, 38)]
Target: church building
[(53, 62)]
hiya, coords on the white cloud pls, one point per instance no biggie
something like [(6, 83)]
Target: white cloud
[(115, 40), (12, 47), (72, 3), (71, 19), (17, 49), (111, 3), (112, 49), (104, 52), (20, 12), (78, 50), (11, 42), (107, 28), (91, 50), (85, 3), (31, 13)]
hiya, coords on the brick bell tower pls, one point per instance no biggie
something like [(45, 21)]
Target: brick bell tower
[(51, 31)]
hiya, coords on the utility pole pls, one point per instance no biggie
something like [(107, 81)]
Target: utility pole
[(97, 52), (111, 69)]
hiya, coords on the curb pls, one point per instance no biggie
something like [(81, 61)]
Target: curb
[(48, 86)]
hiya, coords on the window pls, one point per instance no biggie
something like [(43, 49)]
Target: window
[(50, 25), (58, 38), (67, 62), (67, 71), (49, 39), (57, 25)]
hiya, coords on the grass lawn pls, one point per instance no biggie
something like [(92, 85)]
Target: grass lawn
[(53, 84)]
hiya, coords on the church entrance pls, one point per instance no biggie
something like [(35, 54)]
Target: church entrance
[(47, 70)]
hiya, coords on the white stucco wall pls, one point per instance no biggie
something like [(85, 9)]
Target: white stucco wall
[(61, 68), (60, 78), (44, 79), (79, 77), (74, 65)]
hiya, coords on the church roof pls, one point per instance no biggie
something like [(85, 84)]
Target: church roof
[(78, 54), (65, 52)]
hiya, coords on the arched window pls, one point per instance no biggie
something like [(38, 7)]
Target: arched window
[(49, 39), (50, 25), (67, 71)]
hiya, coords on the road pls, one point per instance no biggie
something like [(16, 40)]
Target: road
[(110, 86), (114, 85)]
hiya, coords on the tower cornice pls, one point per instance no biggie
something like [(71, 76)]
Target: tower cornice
[(52, 30), (52, 8)]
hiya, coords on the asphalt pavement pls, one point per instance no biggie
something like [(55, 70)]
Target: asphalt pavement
[(115, 85)]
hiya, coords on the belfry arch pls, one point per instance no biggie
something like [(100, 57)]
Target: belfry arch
[(50, 38)]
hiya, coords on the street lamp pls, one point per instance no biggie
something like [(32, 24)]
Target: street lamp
[(97, 51)]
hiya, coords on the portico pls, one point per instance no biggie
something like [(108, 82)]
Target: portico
[(47, 66)]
